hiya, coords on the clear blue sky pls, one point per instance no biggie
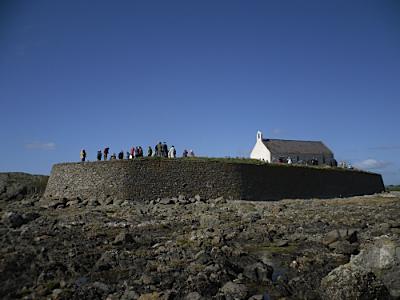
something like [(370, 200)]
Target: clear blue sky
[(202, 75)]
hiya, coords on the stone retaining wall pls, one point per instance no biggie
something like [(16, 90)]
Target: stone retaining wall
[(147, 179)]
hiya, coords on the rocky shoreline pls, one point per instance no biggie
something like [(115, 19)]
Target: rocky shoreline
[(195, 248)]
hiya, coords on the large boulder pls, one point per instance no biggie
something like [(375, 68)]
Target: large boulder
[(372, 274)]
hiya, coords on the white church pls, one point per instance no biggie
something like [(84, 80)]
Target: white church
[(276, 150)]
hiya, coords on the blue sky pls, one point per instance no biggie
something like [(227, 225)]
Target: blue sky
[(202, 75)]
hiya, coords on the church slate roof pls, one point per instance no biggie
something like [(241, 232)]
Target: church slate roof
[(292, 146)]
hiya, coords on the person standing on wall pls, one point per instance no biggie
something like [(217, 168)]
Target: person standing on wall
[(132, 154), (106, 152), (165, 149), (159, 149), (172, 152), (99, 155), (83, 155), (140, 151), (149, 152)]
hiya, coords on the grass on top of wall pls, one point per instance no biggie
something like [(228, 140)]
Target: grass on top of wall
[(234, 160)]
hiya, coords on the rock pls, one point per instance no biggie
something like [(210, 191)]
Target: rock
[(108, 201), (13, 219), (257, 297), (220, 200), (93, 202), (233, 291), (374, 273), (208, 221), (202, 257), (57, 203), (394, 224), (123, 238), (282, 243), (193, 296), (29, 202), (383, 259), (72, 203), (56, 293), (331, 237), (117, 202), (101, 287), (166, 201), (127, 203), (352, 282), (106, 262), (258, 272), (199, 254), (150, 296), (198, 198), (344, 247), (130, 294), (341, 234), (216, 241), (147, 279), (30, 216)]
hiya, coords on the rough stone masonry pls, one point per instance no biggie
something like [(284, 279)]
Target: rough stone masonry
[(150, 178)]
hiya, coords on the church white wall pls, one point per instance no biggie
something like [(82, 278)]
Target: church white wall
[(260, 152)]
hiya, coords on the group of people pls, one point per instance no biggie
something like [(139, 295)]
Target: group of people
[(160, 150)]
